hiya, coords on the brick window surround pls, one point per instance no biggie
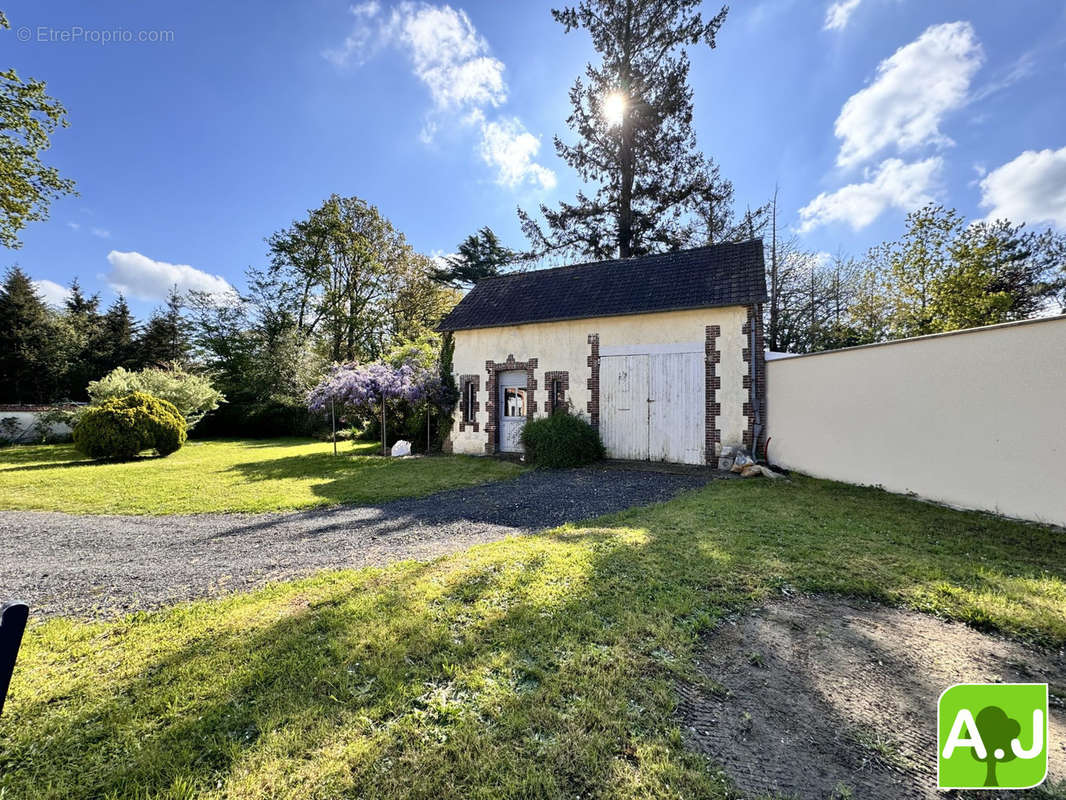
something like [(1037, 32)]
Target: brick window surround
[(465, 381), (755, 318), (554, 401), (594, 380), (493, 368), (713, 383)]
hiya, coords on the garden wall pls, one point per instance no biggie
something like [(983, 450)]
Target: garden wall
[(975, 418), (23, 423)]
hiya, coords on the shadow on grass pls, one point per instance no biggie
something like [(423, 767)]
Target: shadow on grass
[(523, 501), (252, 444), (535, 667)]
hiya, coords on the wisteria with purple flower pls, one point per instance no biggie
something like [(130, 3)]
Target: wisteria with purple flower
[(364, 387)]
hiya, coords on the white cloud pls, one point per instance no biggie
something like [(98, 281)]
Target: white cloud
[(915, 88), (454, 62), (838, 14), (510, 148), (894, 184), (447, 53), (450, 56), (137, 275), (1030, 188), (101, 233), (52, 292), (74, 225)]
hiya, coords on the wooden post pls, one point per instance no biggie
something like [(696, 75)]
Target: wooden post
[(12, 623), (429, 417), (333, 417), (384, 438)]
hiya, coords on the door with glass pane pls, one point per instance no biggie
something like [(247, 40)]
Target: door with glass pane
[(512, 401)]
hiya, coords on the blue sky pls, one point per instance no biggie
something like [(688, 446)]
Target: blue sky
[(233, 119)]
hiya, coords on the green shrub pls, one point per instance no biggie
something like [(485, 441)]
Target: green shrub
[(192, 395), (265, 419), (122, 427), (561, 440)]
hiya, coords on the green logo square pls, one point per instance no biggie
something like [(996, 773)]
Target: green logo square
[(992, 735)]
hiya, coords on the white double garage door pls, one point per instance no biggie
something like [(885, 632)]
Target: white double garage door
[(652, 402)]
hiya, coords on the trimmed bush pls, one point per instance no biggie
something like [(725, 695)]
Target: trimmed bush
[(561, 440), (120, 428)]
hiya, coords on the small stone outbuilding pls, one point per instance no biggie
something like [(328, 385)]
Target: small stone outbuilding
[(662, 353)]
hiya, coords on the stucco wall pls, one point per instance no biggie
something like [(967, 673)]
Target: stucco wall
[(563, 346), (975, 419)]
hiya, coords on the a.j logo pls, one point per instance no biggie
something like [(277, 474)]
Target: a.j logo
[(992, 735)]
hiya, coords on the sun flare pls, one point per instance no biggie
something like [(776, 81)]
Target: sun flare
[(614, 108)]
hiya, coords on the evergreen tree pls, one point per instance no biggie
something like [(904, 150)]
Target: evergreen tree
[(481, 255), (633, 118), (85, 324), (1000, 272), (31, 343), (116, 346), (165, 339)]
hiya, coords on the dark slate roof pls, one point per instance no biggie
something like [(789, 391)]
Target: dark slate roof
[(705, 277)]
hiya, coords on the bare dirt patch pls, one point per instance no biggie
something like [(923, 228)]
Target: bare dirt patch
[(817, 697)]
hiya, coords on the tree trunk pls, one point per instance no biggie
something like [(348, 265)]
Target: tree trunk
[(625, 153), (990, 771)]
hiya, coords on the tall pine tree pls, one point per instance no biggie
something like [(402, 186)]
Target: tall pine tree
[(165, 339), (481, 255), (117, 342), (32, 348), (632, 114), (86, 325)]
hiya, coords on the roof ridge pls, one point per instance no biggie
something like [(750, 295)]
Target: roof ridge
[(729, 273), (631, 259)]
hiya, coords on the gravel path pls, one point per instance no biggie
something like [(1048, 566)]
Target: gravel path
[(63, 564)]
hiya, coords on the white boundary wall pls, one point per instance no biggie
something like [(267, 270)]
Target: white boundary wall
[(974, 419), (25, 422)]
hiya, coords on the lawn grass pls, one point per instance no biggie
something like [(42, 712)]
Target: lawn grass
[(237, 475), (536, 667)]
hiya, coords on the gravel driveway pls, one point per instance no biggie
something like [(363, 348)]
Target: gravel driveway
[(64, 564)]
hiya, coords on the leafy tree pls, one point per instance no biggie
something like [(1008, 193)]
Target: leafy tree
[(916, 264), (480, 255), (999, 272), (253, 352), (349, 279), (192, 395), (415, 302), (869, 310), (996, 730), (944, 274), (165, 338), (32, 343), (633, 118), (28, 117)]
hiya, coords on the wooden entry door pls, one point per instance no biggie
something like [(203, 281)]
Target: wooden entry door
[(652, 403), (512, 405)]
